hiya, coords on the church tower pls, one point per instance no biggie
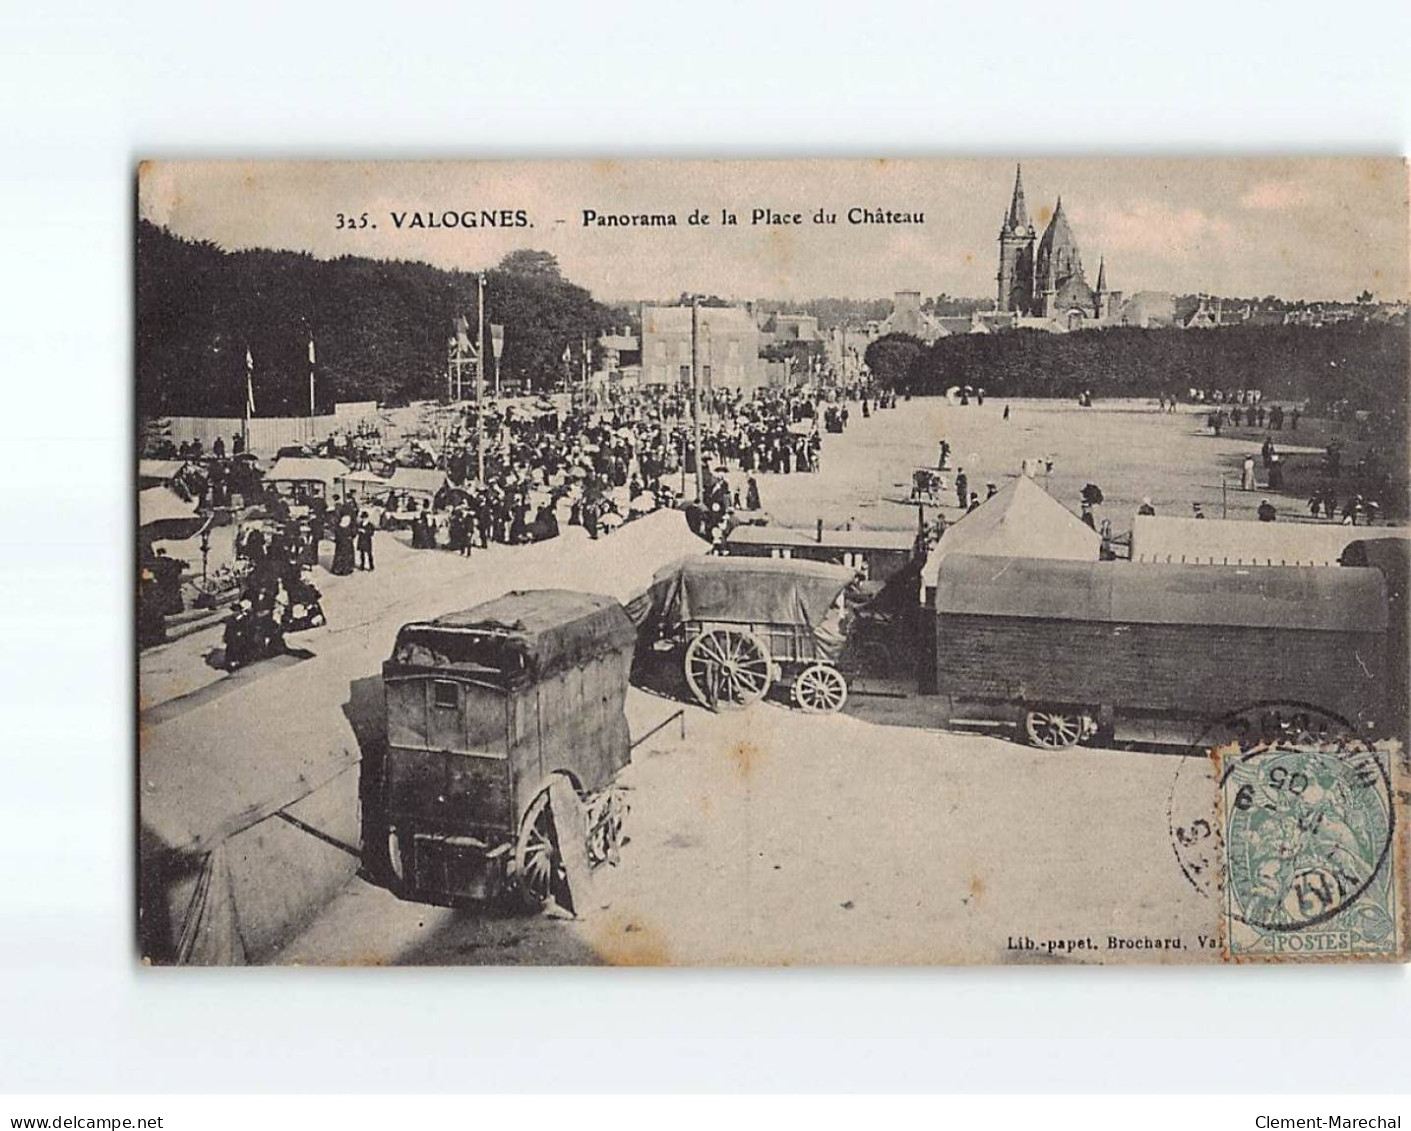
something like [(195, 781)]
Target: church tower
[(1016, 254), (1104, 296)]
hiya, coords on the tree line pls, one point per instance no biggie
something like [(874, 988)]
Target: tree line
[(380, 327), (1364, 364)]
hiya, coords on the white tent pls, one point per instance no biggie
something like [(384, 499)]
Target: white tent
[(162, 504), (1215, 541), (1021, 520), (301, 469)]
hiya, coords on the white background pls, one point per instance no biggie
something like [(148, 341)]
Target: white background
[(88, 88)]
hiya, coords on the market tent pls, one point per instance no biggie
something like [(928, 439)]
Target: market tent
[(418, 480), (163, 505), (151, 472), (249, 821), (298, 469), (1214, 541), (362, 483), (1021, 520), (623, 564)]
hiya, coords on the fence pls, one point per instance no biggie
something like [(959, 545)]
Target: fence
[(267, 434)]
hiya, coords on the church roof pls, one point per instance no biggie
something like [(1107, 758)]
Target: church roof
[(1018, 214), (1058, 234)]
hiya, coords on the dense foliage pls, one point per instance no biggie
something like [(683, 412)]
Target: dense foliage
[(1362, 363), (380, 327)]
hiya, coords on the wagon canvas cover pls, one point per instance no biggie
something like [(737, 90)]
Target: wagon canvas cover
[(746, 591)]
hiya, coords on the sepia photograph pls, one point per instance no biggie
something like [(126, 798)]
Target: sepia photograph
[(979, 561)]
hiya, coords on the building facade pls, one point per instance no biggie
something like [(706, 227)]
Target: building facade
[(729, 347)]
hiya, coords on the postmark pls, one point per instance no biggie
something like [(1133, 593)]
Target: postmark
[(1285, 816)]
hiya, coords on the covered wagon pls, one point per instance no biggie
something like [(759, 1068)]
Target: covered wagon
[(1154, 652), (505, 731), (743, 624)]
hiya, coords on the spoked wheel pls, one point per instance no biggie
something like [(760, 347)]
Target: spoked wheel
[(538, 863), (727, 667), (1054, 730), (820, 689)]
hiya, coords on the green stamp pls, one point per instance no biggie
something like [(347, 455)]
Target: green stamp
[(1308, 834)]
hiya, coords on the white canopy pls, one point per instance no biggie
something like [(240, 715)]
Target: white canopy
[(1021, 520)]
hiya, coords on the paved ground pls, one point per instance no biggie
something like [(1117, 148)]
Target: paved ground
[(1127, 447), (770, 836)]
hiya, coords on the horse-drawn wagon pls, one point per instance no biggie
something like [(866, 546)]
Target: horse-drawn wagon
[(744, 625)]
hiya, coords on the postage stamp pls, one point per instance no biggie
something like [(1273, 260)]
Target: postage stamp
[(1308, 833), (1285, 815)]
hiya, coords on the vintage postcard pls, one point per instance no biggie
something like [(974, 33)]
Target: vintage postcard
[(772, 562)]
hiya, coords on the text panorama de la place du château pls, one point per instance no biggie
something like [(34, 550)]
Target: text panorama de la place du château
[(756, 218)]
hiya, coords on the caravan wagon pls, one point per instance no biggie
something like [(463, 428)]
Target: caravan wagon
[(505, 733)]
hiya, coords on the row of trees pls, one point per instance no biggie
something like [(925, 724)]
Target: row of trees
[(380, 327), (1364, 364)]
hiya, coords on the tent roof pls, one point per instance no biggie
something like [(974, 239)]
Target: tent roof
[(365, 478), (162, 504), (767, 536), (162, 469), (1020, 520), (425, 479), (1214, 541), (303, 469), (1330, 600)]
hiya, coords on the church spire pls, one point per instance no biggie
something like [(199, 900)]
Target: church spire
[(1102, 274), (1018, 217)]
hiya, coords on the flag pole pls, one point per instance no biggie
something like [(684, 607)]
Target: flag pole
[(696, 392), (249, 395), (480, 380)]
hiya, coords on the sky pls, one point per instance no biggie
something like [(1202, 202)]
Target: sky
[(1315, 228)]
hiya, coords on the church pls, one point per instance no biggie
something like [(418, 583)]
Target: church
[(1041, 279)]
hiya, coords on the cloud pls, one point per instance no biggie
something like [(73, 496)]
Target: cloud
[(1151, 228), (1276, 196)]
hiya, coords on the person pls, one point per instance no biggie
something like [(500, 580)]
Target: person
[(752, 494), (365, 532), (1006, 412), (944, 460), (1276, 472), (1267, 450), (238, 443), (1247, 474), (218, 448), (974, 501), (1087, 515), (1199, 511), (1293, 420), (1267, 513), (962, 484), (1146, 507), (456, 534), (990, 490)]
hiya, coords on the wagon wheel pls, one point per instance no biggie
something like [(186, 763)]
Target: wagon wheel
[(1054, 730), (820, 689), (727, 667), (538, 864)]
